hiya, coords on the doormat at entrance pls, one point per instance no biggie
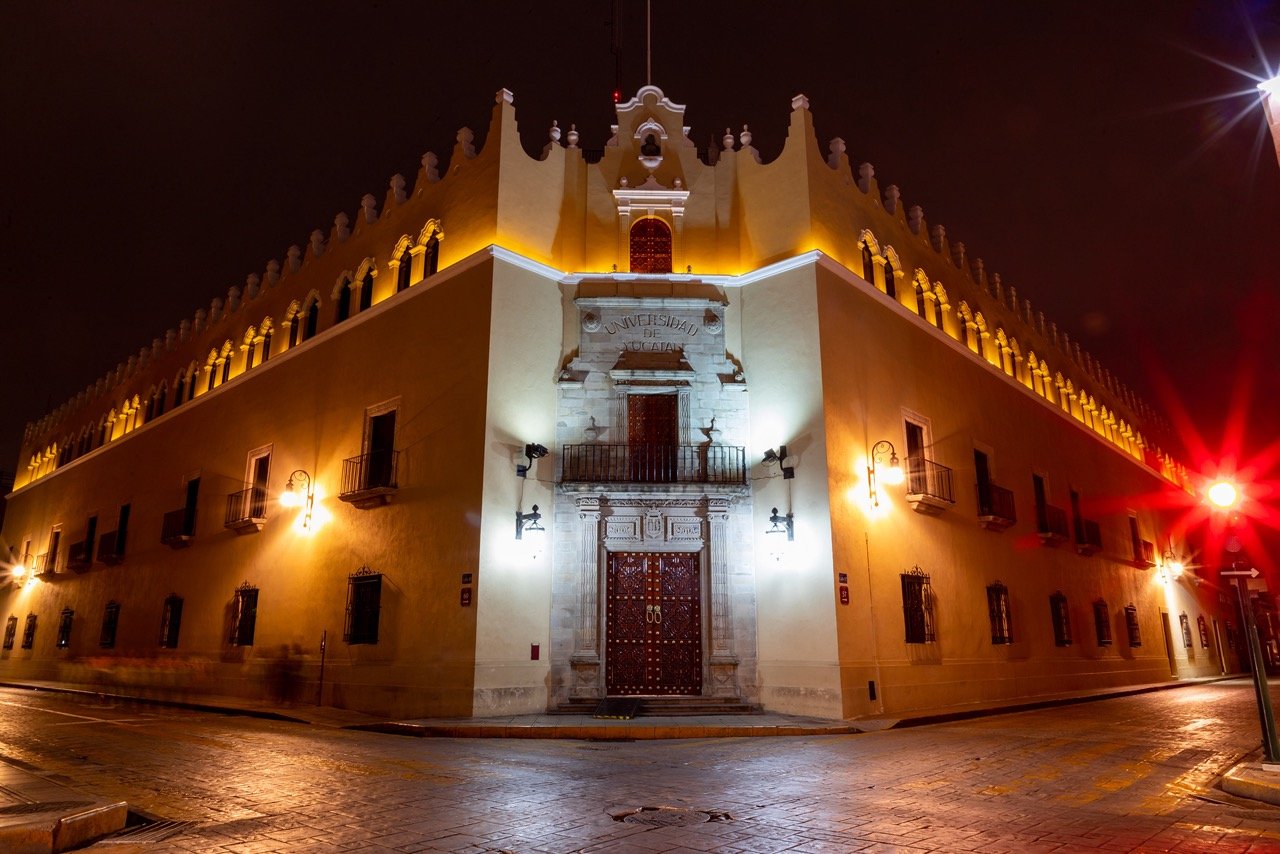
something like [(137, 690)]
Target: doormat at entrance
[(617, 709)]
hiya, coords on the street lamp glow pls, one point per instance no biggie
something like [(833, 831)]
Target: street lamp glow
[(1224, 494), (1270, 87), (18, 571)]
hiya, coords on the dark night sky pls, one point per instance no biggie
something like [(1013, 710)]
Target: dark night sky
[(158, 152)]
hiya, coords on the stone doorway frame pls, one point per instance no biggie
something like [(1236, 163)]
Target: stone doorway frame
[(626, 522)]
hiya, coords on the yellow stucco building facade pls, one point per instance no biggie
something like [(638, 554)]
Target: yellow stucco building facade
[(536, 432)]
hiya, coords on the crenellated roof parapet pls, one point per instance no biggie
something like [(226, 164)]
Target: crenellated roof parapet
[(567, 208), (230, 326), (993, 303)]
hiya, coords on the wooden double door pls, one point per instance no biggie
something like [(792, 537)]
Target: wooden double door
[(653, 623)]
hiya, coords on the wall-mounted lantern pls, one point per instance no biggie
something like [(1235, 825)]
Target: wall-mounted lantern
[(291, 497), (884, 466), (528, 522)]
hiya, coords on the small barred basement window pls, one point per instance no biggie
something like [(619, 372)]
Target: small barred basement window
[(29, 632), (10, 632), (1186, 630), (1203, 628)]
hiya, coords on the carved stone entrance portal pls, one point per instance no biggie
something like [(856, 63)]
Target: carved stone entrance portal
[(653, 624)]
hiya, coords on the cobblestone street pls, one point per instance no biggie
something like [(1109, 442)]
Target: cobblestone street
[(1127, 774)]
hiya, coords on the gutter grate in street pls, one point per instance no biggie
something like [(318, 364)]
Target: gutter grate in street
[(668, 816)]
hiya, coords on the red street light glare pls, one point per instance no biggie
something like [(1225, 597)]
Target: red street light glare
[(1224, 494)]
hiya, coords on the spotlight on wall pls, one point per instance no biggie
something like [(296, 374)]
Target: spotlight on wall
[(291, 497), (884, 466), (1172, 566), (778, 458), (532, 452), (528, 522)]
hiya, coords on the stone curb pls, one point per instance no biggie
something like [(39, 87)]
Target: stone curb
[(1030, 706), (190, 705), (58, 829), (1250, 780), (601, 732)]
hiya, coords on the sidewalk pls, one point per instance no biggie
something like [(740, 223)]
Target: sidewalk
[(40, 815), (587, 727)]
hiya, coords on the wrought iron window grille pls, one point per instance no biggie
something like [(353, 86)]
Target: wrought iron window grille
[(1203, 628), (998, 610), (244, 614), (1131, 624), (110, 621), (917, 606), (1102, 622), (171, 621), (1061, 619), (364, 603), (64, 628)]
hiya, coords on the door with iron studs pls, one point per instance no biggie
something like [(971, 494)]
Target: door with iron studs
[(653, 624)]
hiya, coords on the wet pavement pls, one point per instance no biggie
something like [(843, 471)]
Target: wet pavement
[(1134, 773)]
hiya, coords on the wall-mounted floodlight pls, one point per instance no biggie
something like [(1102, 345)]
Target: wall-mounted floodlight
[(532, 452), (779, 457)]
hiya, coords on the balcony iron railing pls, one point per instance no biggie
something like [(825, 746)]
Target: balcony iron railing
[(1051, 524), (369, 479), (1088, 537), (995, 506), (925, 477), (46, 563), (651, 463), (178, 527), (246, 509), (929, 486), (1144, 553), (78, 556)]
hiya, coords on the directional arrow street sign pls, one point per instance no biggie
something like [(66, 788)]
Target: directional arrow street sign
[(1248, 573)]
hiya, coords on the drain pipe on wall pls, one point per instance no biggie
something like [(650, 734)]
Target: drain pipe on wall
[(871, 607), (324, 637)]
